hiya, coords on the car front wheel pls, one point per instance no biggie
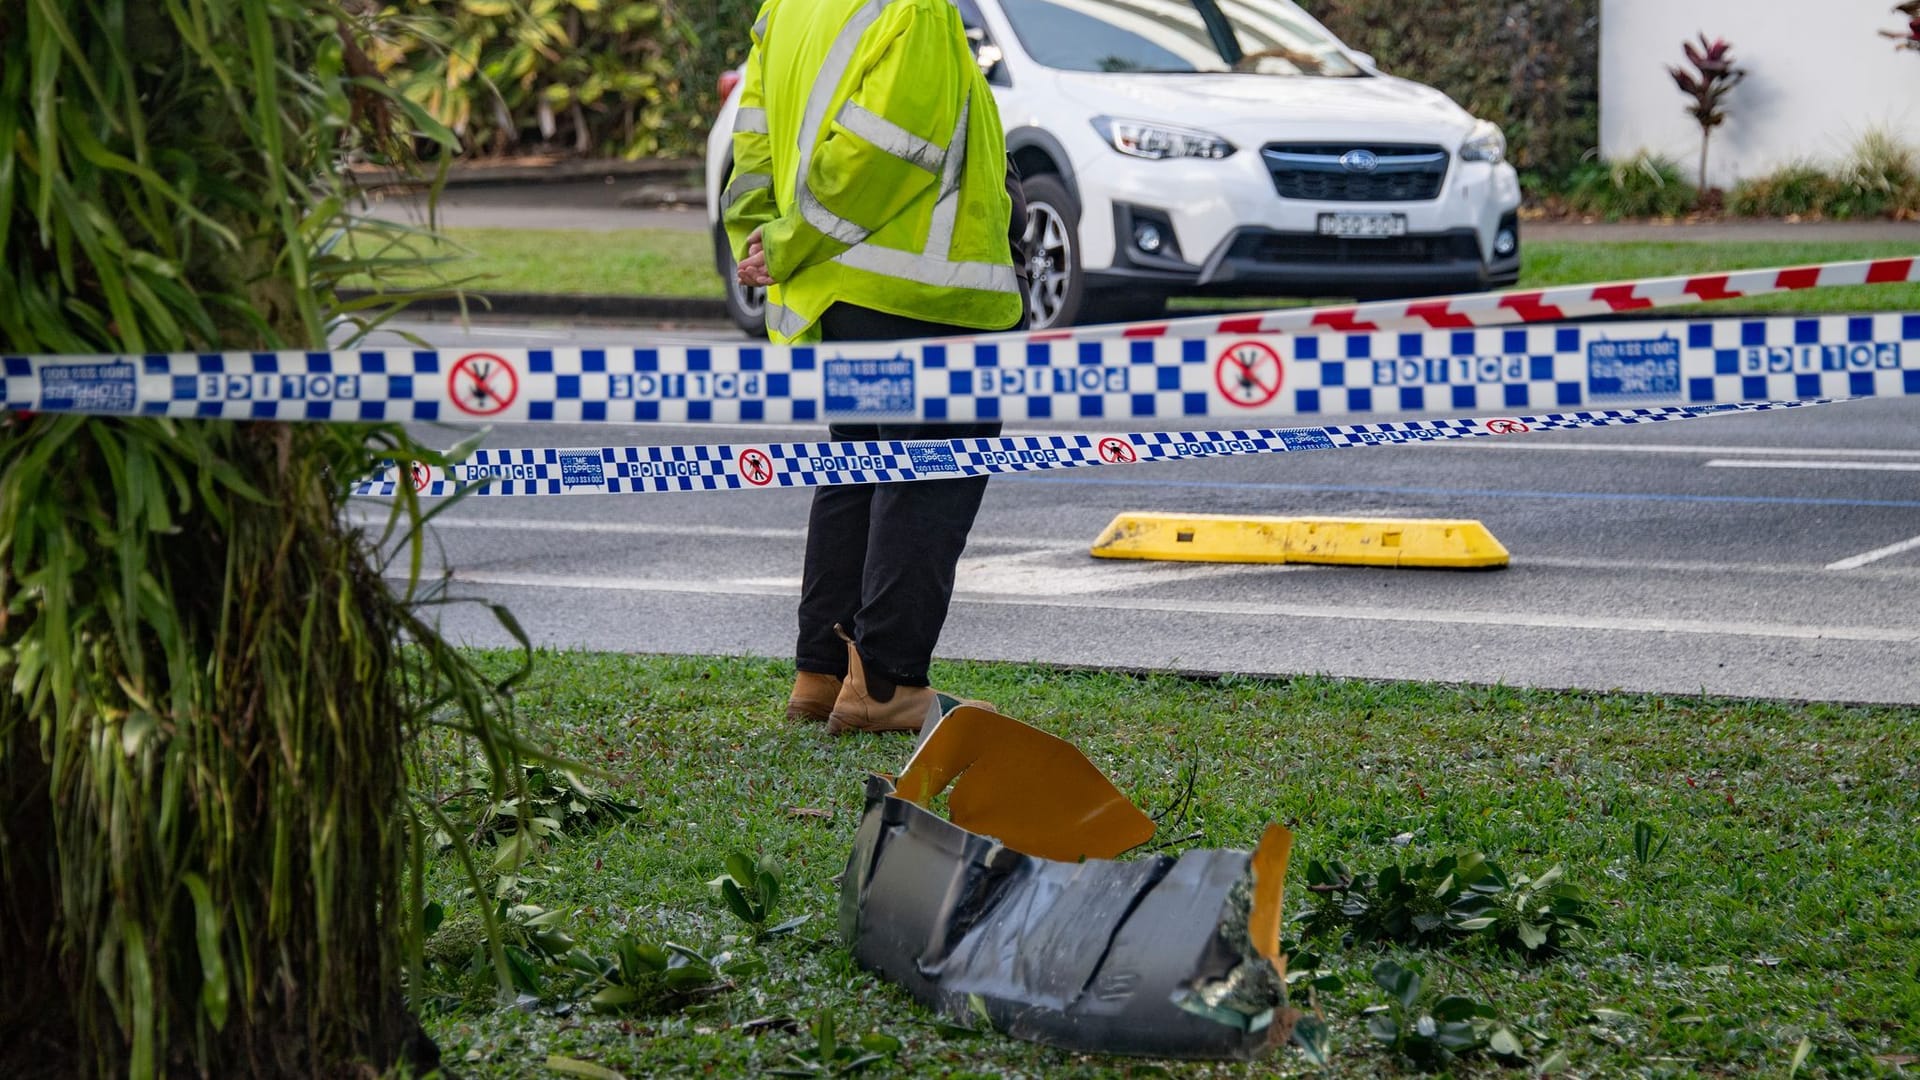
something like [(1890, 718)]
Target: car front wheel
[(1057, 291), (1055, 284)]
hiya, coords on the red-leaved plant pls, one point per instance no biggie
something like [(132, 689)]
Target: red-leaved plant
[(1713, 76)]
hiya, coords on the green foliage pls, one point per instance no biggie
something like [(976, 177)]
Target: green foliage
[(642, 975), (749, 890), (1531, 66), (623, 78), (1433, 903), (1797, 190), (520, 820), (546, 964), (1641, 186), (1645, 850), (828, 1056), (1880, 177), (213, 694), (1434, 1034)]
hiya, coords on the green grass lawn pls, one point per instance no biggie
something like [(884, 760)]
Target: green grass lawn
[(660, 262), (1782, 908), (630, 262)]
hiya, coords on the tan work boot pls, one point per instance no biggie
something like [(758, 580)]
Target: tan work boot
[(878, 705), (813, 696)]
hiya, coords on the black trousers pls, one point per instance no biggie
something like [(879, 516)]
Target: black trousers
[(881, 557)]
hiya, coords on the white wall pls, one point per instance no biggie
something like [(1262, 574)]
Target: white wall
[(1819, 75)]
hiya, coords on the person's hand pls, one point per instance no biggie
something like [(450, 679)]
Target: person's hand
[(752, 271)]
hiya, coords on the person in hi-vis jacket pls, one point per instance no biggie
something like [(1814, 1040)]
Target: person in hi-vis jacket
[(870, 197)]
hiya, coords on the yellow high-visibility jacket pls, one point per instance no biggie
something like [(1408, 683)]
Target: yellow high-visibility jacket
[(868, 152)]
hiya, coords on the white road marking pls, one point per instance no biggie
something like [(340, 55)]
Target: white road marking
[(1853, 466), (1039, 573), (1246, 609), (1674, 448), (1857, 561), (617, 528), (643, 528), (1679, 566), (1040, 546), (518, 332)]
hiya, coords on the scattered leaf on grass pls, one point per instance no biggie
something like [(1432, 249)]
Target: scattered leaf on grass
[(1800, 1056), (761, 1024), (809, 811), (575, 1067)]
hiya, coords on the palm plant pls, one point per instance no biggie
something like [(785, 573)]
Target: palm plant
[(213, 700)]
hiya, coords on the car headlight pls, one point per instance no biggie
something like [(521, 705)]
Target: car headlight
[(1484, 143), (1158, 142)]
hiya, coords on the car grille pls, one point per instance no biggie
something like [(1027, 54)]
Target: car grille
[(1398, 250), (1313, 171)]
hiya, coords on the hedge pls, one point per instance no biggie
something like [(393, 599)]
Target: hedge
[(1531, 66), (638, 78)]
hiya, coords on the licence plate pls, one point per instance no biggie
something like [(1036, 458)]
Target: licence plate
[(1363, 225)]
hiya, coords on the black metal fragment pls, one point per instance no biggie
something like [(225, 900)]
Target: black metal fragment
[(1148, 957)]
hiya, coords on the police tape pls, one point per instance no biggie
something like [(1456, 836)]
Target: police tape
[(1231, 378), (633, 470), (1513, 306)]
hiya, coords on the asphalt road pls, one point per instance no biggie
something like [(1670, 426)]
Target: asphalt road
[(596, 206), (1773, 555)]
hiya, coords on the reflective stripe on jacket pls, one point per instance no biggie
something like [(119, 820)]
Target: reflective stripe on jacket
[(868, 151)]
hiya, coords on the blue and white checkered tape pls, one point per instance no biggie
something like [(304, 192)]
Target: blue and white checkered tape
[(624, 470), (1165, 379)]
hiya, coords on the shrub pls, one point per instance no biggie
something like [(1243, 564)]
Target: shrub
[(1640, 186), (1880, 177), (211, 700), (1531, 66), (1798, 190), (621, 78)]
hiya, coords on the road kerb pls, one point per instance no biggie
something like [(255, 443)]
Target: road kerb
[(1406, 543)]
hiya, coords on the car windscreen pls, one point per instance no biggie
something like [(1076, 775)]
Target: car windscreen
[(1256, 37)]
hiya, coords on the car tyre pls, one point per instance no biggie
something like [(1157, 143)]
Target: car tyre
[(1057, 291), (1056, 286), (746, 305)]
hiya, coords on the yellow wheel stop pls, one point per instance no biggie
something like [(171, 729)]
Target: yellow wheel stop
[(1391, 542)]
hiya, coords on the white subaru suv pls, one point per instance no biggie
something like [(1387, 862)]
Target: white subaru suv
[(1218, 148)]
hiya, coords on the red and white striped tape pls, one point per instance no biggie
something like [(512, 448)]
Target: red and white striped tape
[(1501, 308)]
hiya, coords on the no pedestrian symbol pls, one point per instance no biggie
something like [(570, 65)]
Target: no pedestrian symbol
[(1117, 451), (755, 467), (1248, 374), (482, 384), (1505, 426), (422, 476)]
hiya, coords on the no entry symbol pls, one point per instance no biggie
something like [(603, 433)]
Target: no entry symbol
[(1117, 451), (482, 384), (422, 475), (1248, 374), (755, 467), (1504, 426)]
